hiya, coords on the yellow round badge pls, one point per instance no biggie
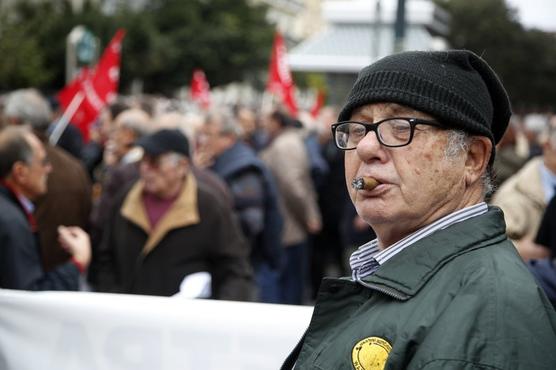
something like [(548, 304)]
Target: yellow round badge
[(370, 354)]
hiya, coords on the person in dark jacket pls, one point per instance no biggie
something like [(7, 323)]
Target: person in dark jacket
[(544, 269), (166, 229), (255, 198), (442, 286), (68, 199), (24, 170)]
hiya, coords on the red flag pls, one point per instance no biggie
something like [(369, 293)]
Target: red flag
[(98, 87), (319, 102), (84, 112), (279, 77), (200, 89)]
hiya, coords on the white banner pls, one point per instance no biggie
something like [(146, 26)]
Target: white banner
[(93, 331)]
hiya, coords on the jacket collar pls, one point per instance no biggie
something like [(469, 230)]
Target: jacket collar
[(236, 158), (23, 203), (406, 273), (183, 212)]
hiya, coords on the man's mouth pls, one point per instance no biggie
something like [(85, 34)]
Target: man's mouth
[(364, 183)]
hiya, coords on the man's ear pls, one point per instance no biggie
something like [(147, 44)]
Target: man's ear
[(478, 156), (19, 172)]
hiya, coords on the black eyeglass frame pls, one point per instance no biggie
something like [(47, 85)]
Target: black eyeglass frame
[(374, 127)]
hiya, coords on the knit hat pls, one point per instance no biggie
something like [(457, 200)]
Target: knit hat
[(456, 87)]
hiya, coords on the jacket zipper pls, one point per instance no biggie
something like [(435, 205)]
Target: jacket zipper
[(388, 291)]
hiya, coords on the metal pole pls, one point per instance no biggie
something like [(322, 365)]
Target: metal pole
[(63, 122), (399, 27), (376, 48)]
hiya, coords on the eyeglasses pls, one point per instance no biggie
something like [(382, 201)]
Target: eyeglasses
[(391, 132)]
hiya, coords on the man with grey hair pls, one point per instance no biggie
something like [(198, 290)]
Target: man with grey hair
[(68, 199), (129, 126), (24, 168), (441, 287), (29, 106), (254, 194)]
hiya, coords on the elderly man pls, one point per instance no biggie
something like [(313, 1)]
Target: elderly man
[(166, 228), (255, 197), (129, 126), (68, 200), (441, 287), (24, 169)]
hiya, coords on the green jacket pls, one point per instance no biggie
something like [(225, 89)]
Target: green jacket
[(458, 299)]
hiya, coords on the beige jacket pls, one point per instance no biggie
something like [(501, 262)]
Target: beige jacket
[(287, 158), (522, 199)]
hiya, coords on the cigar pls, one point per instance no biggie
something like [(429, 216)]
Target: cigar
[(364, 183)]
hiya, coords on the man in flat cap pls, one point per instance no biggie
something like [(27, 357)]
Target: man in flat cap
[(441, 287), (166, 234)]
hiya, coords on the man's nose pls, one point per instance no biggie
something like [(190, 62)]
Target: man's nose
[(369, 146)]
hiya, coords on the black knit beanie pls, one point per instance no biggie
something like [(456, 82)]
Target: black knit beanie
[(456, 87)]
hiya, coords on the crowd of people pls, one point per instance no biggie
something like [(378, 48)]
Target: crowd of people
[(229, 203), (431, 208)]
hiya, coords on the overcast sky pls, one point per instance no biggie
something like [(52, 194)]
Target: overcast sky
[(536, 13)]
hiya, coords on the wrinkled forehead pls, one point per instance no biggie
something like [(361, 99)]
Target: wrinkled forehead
[(379, 111)]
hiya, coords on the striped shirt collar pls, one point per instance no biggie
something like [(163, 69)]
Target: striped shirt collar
[(368, 257)]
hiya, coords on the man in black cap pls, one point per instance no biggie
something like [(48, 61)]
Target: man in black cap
[(165, 229), (441, 287)]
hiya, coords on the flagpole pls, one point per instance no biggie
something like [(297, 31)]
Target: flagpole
[(63, 122)]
